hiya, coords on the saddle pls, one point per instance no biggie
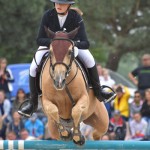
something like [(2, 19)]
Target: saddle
[(79, 64)]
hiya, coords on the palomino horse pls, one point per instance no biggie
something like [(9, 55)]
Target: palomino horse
[(61, 73)]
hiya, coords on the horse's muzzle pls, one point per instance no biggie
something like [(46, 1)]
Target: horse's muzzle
[(59, 84)]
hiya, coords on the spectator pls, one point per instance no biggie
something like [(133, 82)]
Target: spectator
[(101, 78), (105, 137), (5, 78), (121, 101), (136, 105), (11, 136), (143, 74), (106, 79), (3, 127), (100, 70), (16, 125), (86, 131), (35, 127), (5, 107), (117, 127), (138, 127), (145, 111), (24, 135), (109, 109), (20, 97)]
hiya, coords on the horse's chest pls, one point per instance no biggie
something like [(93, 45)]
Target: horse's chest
[(64, 106)]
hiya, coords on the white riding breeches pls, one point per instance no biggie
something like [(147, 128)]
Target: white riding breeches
[(84, 55)]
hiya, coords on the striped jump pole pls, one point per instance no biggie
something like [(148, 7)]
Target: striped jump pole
[(59, 145)]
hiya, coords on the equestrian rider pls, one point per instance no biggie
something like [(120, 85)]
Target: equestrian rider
[(58, 19)]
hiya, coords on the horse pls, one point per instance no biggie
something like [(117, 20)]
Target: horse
[(65, 98)]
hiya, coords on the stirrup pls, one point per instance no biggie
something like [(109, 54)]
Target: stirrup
[(111, 98), (25, 115)]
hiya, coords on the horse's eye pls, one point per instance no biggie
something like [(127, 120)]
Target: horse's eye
[(70, 52), (51, 53)]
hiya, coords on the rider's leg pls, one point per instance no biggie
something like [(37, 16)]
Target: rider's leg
[(87, 58), (31, 107)]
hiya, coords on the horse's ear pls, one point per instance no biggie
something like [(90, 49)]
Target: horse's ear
[(49, 33), (73, 33)]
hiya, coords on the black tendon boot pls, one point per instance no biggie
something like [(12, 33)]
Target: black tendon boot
[(32, 105), (99, 90)]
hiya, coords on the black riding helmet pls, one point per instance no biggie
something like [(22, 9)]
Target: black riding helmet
[(63, 1)]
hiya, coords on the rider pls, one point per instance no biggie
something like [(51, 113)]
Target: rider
[(58, 19)]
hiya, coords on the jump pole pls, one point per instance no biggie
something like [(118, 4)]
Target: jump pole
[(59, 145)]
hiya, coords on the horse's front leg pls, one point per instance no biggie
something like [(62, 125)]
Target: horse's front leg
[(78, 114), (51, 111)]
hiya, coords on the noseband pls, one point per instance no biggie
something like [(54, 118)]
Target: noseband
[(68, 67)]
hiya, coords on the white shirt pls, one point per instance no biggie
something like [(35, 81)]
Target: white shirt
[(62, 19), (109, 82), (138, 127)]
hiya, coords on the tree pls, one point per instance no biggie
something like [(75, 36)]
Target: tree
[(121, 26), (115, 27), (18, 28)]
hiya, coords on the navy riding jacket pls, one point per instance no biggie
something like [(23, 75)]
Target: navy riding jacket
[(73, 20)]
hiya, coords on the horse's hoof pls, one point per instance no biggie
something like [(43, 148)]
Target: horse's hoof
[(67, 138), (81, 141)]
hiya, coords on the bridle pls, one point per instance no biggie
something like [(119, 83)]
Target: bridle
[(68, 67)]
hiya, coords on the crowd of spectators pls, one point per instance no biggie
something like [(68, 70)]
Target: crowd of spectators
[(129, 116)]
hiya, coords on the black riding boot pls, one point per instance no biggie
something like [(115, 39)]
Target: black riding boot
[(98, 90), (32, 105)]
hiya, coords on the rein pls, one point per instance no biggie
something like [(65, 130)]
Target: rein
[(67, 89)]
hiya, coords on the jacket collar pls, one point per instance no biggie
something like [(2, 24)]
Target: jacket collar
[(56, 21)]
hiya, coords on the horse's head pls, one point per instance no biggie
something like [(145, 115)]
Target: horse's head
[(61, 56)]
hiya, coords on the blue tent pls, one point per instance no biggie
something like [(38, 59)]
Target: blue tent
[(21, 76)]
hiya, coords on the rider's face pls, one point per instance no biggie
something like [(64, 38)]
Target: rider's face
[(61, 8)]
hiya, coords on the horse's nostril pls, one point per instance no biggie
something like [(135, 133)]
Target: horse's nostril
[(63, 82), (55, 83)]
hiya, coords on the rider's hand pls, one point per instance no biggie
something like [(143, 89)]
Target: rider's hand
[(75, 43)]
